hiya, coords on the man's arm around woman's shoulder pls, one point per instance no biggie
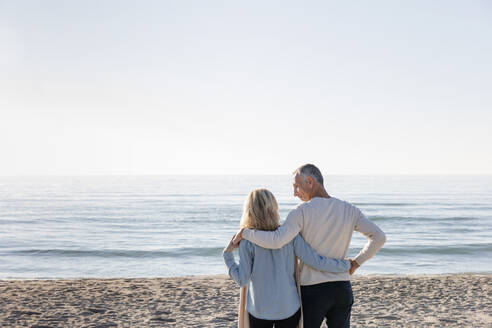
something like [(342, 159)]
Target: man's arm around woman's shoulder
[(278, 238)]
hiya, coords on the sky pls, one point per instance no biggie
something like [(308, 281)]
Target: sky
[(245, 87)]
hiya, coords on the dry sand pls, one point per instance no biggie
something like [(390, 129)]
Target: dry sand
[(211, 301)]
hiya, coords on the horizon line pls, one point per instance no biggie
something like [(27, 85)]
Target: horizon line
[(236, 174)]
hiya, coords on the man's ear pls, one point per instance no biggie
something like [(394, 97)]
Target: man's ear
[(310, 181)]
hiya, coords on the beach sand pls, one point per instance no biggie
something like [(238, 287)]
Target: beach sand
[(212, 301)]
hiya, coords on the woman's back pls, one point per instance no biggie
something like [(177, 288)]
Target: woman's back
[(272, 292)]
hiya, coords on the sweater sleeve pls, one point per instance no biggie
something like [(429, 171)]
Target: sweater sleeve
[(240, 273), (376, 237), (313, 259), (280, 237)]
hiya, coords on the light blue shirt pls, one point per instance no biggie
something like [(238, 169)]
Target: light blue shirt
[(272, 292)]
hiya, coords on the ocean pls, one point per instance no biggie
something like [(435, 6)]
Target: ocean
[(168, 226)]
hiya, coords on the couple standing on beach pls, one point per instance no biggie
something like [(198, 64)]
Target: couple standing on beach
[(281, 291)]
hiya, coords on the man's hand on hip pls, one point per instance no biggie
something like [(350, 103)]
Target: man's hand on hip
[(353, 266)]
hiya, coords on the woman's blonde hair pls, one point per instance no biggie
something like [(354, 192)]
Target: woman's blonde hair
[(260, 211)]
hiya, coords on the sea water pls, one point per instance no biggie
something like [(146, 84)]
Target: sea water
[(163, 226)]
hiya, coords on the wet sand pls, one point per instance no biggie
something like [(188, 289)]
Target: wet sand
[(212, 301)]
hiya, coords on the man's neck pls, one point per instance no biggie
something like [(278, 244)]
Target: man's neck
[(321, 192)]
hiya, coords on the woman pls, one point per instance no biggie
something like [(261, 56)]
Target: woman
[(272, 296)]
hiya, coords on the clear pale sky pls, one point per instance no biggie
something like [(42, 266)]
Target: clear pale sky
[(245, 87)]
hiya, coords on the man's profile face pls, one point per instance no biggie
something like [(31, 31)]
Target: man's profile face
[(301, 188)]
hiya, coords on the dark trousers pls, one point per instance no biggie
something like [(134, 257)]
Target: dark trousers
[(290, 322), (331, 300)]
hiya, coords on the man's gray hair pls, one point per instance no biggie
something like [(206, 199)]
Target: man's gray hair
[(310, 170)]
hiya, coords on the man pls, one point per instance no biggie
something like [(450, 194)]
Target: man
[(327, 224)]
